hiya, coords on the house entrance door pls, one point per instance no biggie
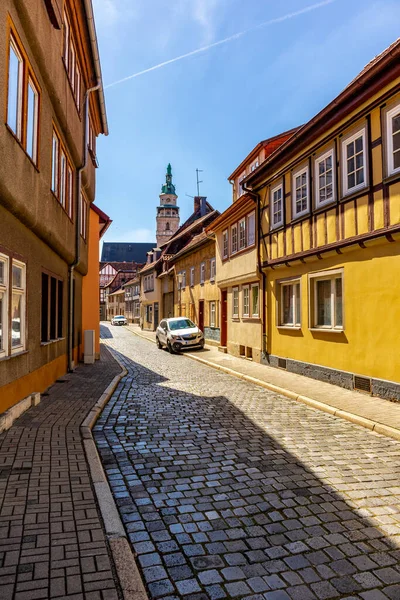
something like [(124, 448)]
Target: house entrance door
[(201, 315), (224, 318)]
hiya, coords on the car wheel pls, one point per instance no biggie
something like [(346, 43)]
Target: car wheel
[(169, 348), (201, 345), (159, 344)]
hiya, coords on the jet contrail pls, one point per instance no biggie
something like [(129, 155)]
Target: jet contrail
[(235, 36)]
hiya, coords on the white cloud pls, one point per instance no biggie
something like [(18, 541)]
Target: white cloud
[(204, 14)]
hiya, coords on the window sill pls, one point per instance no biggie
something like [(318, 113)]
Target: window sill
[(354, 191), (250, 319), (325, 330), (10, 131), (52, 341), (236, 319), (392, 178), (242, 251), (290, 328), (13, 355), (357, 193)]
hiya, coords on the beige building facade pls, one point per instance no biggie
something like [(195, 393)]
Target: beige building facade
[(196, 291)]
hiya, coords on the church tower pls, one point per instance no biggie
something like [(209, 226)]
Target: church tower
[(167, 212)]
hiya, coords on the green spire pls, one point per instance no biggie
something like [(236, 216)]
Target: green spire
[(168, 187)]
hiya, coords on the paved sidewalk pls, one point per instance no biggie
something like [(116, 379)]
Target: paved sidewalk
[(52, 543), (375, 411)]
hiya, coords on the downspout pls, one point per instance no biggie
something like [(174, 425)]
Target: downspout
[(261, 273), (77, 259)]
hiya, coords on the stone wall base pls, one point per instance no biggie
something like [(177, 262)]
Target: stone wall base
[(389, 390)]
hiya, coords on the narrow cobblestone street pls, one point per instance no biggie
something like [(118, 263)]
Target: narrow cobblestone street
[(230, 491)]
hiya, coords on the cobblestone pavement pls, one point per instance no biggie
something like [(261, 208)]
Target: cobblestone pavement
[(230, 491), (52, 543)]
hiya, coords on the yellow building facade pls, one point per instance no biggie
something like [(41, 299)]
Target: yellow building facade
[(196, 292), (238, 279), (329, 205)]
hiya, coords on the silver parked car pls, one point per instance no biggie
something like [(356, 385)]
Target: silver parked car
[(119, 320), (178, 333)]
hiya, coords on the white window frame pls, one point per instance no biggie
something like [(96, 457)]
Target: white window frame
[(191, 276), (225, 244), (318, 160), (276, 188), (183, 280), (234, 238), (213, 313), (13, 45), (255, 315), (202, 273), (254, 165), (235, 295), (313, 278), (246, 301), (393, 112), (20, 291), (55, 163), (251, 218), (345, 142), (242, 230), (35, 118), (4, 289), (303, 170), (212, 269), (296, 322)]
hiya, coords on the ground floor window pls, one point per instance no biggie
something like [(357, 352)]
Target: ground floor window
[(137, 310), (4, 268), (149, 313), (289, 303), (52, 308), (246, 300), (255, 300), (12, 305), (235, 302), (213, 313), (326, 295)]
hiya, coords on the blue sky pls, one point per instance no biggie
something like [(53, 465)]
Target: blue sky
[(210, 109)]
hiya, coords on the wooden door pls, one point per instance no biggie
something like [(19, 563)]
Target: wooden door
[(224, 317), (201, 315)]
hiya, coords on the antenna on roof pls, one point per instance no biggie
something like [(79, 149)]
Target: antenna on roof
[(189, 196), (198, 182)]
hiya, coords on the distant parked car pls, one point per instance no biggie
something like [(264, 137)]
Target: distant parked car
[(178, 333), (119, 320)]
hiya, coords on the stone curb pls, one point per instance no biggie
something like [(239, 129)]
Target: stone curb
[(385, 430), (391, 432), (127, 571)]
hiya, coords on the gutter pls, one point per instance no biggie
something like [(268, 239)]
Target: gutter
[(97, 66), (77, 259)]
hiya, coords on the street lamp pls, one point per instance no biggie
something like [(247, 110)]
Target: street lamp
[(180, 280)]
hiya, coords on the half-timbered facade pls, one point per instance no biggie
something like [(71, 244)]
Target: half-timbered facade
[(329, 205)]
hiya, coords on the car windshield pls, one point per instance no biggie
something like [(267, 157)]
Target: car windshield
[(119, 317), (181, 324)]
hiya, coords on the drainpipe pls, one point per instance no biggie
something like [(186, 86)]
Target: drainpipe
[(77, 259), (256, 198)]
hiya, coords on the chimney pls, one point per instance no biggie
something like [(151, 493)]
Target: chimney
[(200, 205)]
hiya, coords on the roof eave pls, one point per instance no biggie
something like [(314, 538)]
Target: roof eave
[(345, 96), (97, 65)]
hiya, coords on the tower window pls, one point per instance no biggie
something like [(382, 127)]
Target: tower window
[(167, 227)]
